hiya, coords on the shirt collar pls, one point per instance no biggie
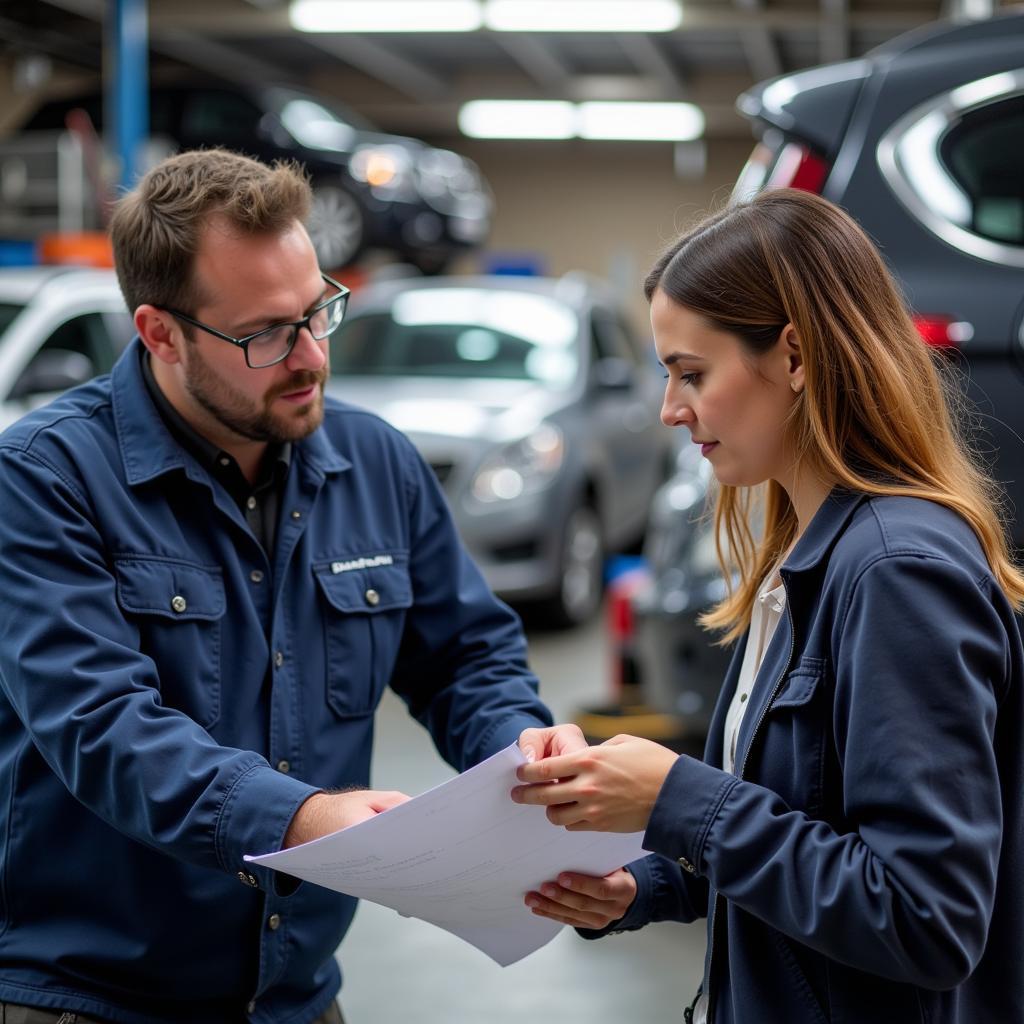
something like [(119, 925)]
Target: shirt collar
[(149, 448)]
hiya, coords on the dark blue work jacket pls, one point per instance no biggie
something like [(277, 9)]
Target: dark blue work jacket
[(170, 696), (866, 863)]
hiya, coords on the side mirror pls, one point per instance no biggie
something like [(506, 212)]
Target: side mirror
[(613, 374), (52, 370)]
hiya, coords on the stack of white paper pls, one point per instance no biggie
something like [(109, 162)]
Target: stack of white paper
[(461, 856)]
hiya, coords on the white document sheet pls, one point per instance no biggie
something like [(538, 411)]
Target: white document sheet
[(461, 856)]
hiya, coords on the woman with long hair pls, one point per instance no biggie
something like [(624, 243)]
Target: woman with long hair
[(854, 833)]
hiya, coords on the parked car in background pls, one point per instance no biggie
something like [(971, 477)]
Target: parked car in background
[(922, 141), (538, 410), (370, 190), (59, 327)]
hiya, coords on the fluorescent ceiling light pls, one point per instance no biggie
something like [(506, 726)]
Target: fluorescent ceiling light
[(582, 15), (386, 15), (667, 122), (555, 119), (518, 119)]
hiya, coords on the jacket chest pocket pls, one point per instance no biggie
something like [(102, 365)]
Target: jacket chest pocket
[(364, 616), (177, 608), (794, 737)]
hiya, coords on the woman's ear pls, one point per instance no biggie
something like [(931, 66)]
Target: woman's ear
[(790, 341)]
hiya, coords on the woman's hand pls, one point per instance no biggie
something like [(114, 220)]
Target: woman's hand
[(610, 788), (584, 901)]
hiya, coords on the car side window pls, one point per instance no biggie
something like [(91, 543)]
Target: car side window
[(984, 156), (612, 339)]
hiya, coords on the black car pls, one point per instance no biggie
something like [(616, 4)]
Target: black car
[(371, 190), (922, 141)]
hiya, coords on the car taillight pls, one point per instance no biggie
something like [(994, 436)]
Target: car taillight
[(797, 166), (943, 331)]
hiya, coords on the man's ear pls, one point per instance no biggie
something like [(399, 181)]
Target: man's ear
[(794, 357), (160, 333)]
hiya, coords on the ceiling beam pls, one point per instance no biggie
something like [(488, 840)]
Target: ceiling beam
[(759, 45), (216, 58), (651, 60), (381, 63), (538, 58)]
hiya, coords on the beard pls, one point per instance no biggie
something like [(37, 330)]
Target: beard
[(254, 419)]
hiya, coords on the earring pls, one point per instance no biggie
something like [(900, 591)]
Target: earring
[(796, 387)]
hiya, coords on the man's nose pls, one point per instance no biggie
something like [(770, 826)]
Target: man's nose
[(308, 353)]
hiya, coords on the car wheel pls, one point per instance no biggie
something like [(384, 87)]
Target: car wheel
[(582, 570), (335, 226)]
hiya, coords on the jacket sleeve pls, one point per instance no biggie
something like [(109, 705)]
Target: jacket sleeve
[(663, 893), (89, 700), (462, 666), (922, 658)]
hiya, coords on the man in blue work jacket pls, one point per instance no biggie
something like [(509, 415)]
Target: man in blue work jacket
[(209, 575)]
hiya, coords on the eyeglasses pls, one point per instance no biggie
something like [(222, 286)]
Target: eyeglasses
[(275, 343)]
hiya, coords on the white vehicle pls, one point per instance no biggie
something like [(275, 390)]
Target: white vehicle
[(59, 327)]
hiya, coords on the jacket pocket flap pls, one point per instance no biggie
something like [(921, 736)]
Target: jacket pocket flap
[(173, 590), (379, 588), (800, 685)]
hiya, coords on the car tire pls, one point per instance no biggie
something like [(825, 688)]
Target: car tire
[(335, 226), (581, 573)]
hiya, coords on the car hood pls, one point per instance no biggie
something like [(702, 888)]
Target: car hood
[(449, 407)]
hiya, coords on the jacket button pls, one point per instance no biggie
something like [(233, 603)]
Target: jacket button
[(251, 1007), (372, 598), (687, 866), (284, 766), (256, 576), (274, 922), (178, 603), (278, 659)]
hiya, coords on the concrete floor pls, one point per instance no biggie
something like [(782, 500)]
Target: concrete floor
[(403, 971)]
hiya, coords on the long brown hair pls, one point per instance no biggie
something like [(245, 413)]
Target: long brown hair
[(874, 415)]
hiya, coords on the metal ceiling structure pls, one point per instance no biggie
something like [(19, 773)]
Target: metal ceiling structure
[(415, 83)]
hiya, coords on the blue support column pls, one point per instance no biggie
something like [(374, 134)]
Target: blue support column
[(127, 96)]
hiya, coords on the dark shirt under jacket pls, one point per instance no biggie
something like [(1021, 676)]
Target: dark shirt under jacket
[(260, 503)]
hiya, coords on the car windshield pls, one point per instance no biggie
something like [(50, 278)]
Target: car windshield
[(8, 311), (462, 332)]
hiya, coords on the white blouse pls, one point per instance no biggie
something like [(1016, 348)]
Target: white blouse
[(764, 618)]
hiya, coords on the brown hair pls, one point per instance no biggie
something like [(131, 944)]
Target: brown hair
[(156, 228), (874, 415)]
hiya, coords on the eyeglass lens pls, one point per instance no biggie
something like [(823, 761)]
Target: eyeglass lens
[(273, 345)]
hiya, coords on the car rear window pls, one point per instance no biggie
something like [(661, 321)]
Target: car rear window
[(462, 332), (983, 153)]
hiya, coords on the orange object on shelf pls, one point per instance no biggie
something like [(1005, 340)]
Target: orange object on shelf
[(81, 248)]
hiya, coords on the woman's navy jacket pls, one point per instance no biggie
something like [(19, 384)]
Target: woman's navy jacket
[(866, 862)]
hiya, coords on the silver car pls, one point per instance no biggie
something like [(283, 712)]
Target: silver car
[(536, 406)]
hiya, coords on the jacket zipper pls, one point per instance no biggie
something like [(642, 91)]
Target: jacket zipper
[(743, 766)]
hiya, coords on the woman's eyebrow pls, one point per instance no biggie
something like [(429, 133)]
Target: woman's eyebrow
[(675, 357)]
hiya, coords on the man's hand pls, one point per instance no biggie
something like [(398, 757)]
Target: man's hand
[(584, 901), (324, 813), (610, 788), (537, 744)]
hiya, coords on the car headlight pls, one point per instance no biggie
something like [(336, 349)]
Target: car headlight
[(520, 468), (386, 169)]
